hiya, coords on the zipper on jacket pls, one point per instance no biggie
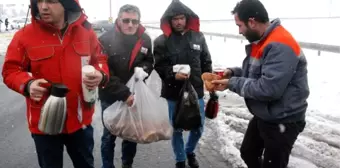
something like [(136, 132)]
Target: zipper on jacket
[(60, 39), (63, 35)]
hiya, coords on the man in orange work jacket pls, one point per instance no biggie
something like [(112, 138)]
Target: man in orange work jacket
[(273, 81), (54, 48)]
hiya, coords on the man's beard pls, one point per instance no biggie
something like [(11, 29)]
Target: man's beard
[(252, 35), (179, 29)]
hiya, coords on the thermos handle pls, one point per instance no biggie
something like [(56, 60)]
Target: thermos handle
[(47, 86)]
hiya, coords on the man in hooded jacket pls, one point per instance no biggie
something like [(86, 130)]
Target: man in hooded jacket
[(53, 49), (182, 43)]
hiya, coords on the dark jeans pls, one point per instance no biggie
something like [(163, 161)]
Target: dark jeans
[(273, 141), (129, 149), (79, 146)]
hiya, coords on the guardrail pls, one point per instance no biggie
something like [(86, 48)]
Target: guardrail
[(313, 46), (232, 20)]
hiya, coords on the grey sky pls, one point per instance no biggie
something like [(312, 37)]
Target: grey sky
[(217, 9), (210, 9)]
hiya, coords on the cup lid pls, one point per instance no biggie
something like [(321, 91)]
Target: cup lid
[(88, 69)]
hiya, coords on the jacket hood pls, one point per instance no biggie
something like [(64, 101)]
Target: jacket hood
[(176, 8), (72, 8)]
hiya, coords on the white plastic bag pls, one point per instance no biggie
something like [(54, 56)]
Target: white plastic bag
[(154, 82), (146, 121)]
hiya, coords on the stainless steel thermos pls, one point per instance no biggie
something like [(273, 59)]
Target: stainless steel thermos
[(53, 112)]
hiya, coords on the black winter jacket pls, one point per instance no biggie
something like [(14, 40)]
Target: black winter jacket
[(173, 48), (119, 47)]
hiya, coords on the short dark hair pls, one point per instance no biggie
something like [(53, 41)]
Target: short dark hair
[(129, 8), (246, 9)]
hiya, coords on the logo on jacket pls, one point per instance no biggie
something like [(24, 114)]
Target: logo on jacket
[(143, 50), (85, 60), (196, 47)]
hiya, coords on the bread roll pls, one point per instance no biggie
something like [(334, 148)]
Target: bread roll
[(208, 78)]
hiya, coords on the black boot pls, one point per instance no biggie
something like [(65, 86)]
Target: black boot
[(192, 162), (180, 165)]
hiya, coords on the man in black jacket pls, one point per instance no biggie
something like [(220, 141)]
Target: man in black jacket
[(127, 46), (182, 43)]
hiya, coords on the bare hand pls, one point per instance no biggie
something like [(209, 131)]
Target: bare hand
[(181, 76), (92, 80), (221, 85), (129, 101), (227, 74), (36, 91)]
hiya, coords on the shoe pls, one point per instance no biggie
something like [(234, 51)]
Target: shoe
[(126, 166), (180, 165), (192, 162)]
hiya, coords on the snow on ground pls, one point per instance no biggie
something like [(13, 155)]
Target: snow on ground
[(5, 38), (319, 144), (317, 147)]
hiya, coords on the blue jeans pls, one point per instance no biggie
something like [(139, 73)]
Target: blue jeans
[(177, 137), (129, 149)]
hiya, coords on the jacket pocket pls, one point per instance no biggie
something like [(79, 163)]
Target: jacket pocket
[(33, 116), (82, 48), (35, 111), (40, 53), (41, 60)]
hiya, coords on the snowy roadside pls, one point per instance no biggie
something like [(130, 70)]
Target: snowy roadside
[(317, 147), (5, 38)]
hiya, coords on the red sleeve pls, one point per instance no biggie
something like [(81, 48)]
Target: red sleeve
[(98, 58), (15, 68)]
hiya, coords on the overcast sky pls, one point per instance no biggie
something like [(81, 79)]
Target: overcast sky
[(209, 9)]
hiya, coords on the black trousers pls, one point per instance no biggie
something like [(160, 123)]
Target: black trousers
[(268, 145), (79, 146)]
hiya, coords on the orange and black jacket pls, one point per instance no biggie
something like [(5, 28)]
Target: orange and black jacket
[(273, 78)]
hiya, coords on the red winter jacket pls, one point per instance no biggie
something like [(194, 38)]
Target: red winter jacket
[(40, 48)]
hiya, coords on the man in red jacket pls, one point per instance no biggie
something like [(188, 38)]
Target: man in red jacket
[(54, 48)]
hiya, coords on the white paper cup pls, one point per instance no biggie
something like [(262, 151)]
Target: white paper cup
[(89, 95), (88, 69)]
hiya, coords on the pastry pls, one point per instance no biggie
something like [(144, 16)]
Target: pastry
[(208, 78)]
